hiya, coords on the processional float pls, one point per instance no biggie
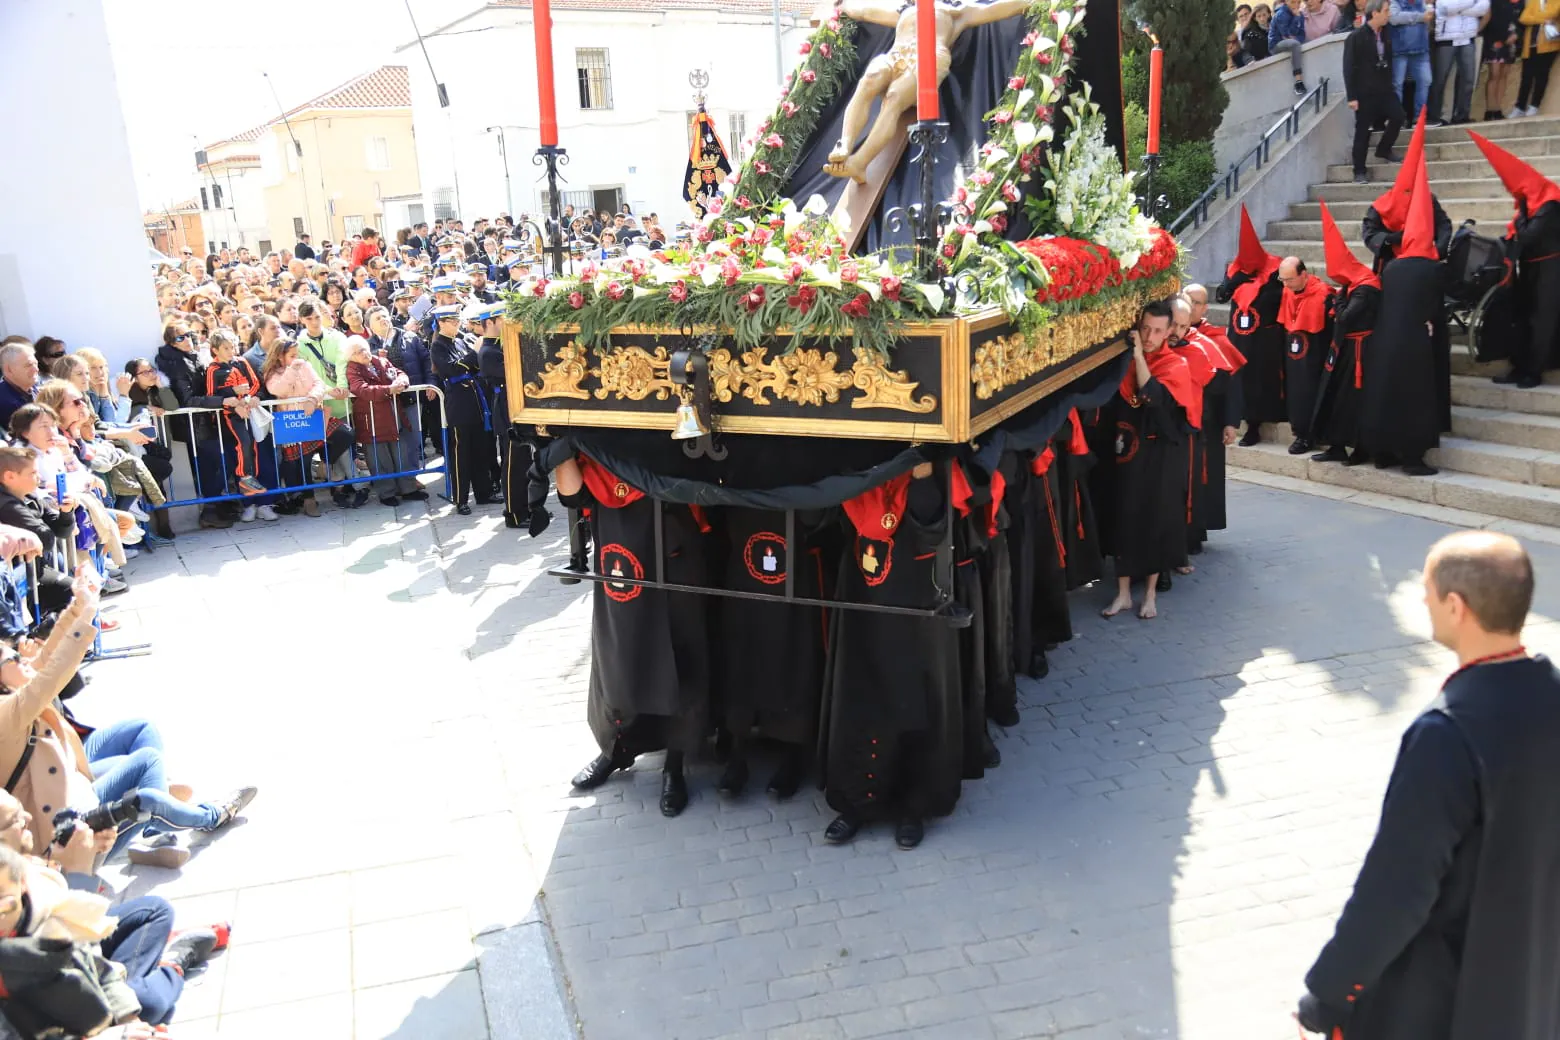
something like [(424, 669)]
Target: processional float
[(847, 307)]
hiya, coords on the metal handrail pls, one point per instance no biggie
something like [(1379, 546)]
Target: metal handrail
[(1289, 125)]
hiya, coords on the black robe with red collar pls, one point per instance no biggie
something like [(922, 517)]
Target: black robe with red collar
[(649, 665), (1256, 333), (892, 728)]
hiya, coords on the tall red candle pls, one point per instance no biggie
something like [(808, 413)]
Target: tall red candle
[(926, 60), (1156, 77), (542, 12)]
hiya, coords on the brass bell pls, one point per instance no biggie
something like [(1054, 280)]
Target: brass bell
[(689, 425)]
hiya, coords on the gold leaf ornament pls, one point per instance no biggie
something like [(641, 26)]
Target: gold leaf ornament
[(813, 378), (561, 378), (633, 373), (882, 387)]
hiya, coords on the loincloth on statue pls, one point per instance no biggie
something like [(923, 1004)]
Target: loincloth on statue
[(902, 60)]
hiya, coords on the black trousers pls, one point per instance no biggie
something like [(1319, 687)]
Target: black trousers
[(514, 466), (472, 462), (1535, 79), (1374, 108)]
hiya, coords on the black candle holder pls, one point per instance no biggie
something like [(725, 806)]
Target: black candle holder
[(928, 217), (1148, 204), (551, 156)]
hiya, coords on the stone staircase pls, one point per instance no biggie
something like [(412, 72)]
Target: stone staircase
[(1502, 458)]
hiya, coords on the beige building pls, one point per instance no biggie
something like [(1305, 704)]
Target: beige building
[(325, 167)]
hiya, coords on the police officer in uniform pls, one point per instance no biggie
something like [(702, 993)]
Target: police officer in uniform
[(455, 364), (481, 291), (514, 456), (445, 294)]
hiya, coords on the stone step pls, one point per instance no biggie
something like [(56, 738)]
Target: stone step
[(1450, 170), (1497, 461), (1494, 207), (1530, 503), (1312, 252), (1515, 428), (1455, 188), (1479, 392), (1525, 148), (1500, 130)]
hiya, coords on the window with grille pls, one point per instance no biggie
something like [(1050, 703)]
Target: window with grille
[(204, 204), (735, 136), (297, 227), (216, 195), (351, 226), (377, 153), (595, 76)]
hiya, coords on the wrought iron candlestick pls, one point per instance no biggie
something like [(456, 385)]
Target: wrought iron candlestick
[(927, 217), (552, 157)]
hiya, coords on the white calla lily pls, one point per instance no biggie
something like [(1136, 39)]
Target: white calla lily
[(775, 255), (816, 205), (933, 294), (710, 275), (1024, 134)]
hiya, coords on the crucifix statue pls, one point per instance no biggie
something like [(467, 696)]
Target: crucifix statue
[(892, 76)]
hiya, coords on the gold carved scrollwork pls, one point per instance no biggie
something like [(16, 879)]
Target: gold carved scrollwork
[(635, 374), (882, 387), (813, 378), (1007, 360), (561, 378)]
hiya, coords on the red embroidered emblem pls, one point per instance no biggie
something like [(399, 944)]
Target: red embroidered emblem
[(617, 561), (764, 557), (875, 559), (1126, 442)]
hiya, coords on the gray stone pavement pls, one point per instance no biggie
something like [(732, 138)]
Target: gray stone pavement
[(1177, 819)]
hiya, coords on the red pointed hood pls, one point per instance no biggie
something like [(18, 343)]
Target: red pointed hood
[(1252, 258), (1419, 229), (1392, 207), (1525, 183), (1343, 266)]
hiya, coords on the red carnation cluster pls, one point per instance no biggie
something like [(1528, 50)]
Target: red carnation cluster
[(1158, 258), (1077, 268)]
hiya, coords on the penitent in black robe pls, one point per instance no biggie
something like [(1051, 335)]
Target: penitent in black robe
[(768, 657), (649, 664), (1383, 243), (1150, 483), (1221, 408), (1338, 402), (1256, 333), (1538, 290), (892, 727), (1453, 929), (1400, 416)]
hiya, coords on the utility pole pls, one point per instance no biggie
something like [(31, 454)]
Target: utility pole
[(503, 153), (779, 55), (303, 181)]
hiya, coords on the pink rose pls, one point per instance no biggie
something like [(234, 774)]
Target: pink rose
[(576, 300), (614, 291), (744, 202), (805, 48), (788, 107), (891, 285), (809, 76), (540, 289), (1004, 116), (588, 272), (761, 167), (825, 50), (1009, 193), (704, 234), (857, 308), (1043, 113), (833, 23), (761, 236), (774, 141), (730, 271), (981, 178), (678, 292), (1016, 83), (714, 206), (1029, 41), (949, 251), (960, 194), (795, 273), (849, 273), (999, 222), (754, 299), (763, 128), (1043, 58)]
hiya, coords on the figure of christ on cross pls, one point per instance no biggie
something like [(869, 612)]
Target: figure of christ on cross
[(891, 76)]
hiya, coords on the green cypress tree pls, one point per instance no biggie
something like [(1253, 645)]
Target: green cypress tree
[(1192, 35)]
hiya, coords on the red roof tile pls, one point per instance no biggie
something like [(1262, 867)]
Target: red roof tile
[(384, 87)]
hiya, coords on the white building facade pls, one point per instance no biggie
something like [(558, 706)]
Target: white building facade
[(624, 102)]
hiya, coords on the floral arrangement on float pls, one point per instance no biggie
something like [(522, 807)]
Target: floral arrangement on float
[(758, 265)]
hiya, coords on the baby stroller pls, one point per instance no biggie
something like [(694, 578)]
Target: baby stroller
[(1480, 293)]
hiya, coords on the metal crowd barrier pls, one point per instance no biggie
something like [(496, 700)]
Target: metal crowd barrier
[(204, 442)]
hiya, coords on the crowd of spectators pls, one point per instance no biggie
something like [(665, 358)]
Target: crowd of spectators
[(1423, 42)]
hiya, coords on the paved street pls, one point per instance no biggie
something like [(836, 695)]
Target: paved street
[(1177, 818)]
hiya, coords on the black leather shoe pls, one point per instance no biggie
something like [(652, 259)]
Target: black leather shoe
[(1336, 453), (1253, 436), (1359, 458), (1506, 378), (787, 779), (1164, 583), (464, 509), (733, 779), (674, 793), (1419, 469), (841, 829), (1006, 716), (1527, 382), (993, 757), (1384, 460), (512, 521), (909, 832), (416, 496), (1300, 446), (1039, 667), (598, 772)]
